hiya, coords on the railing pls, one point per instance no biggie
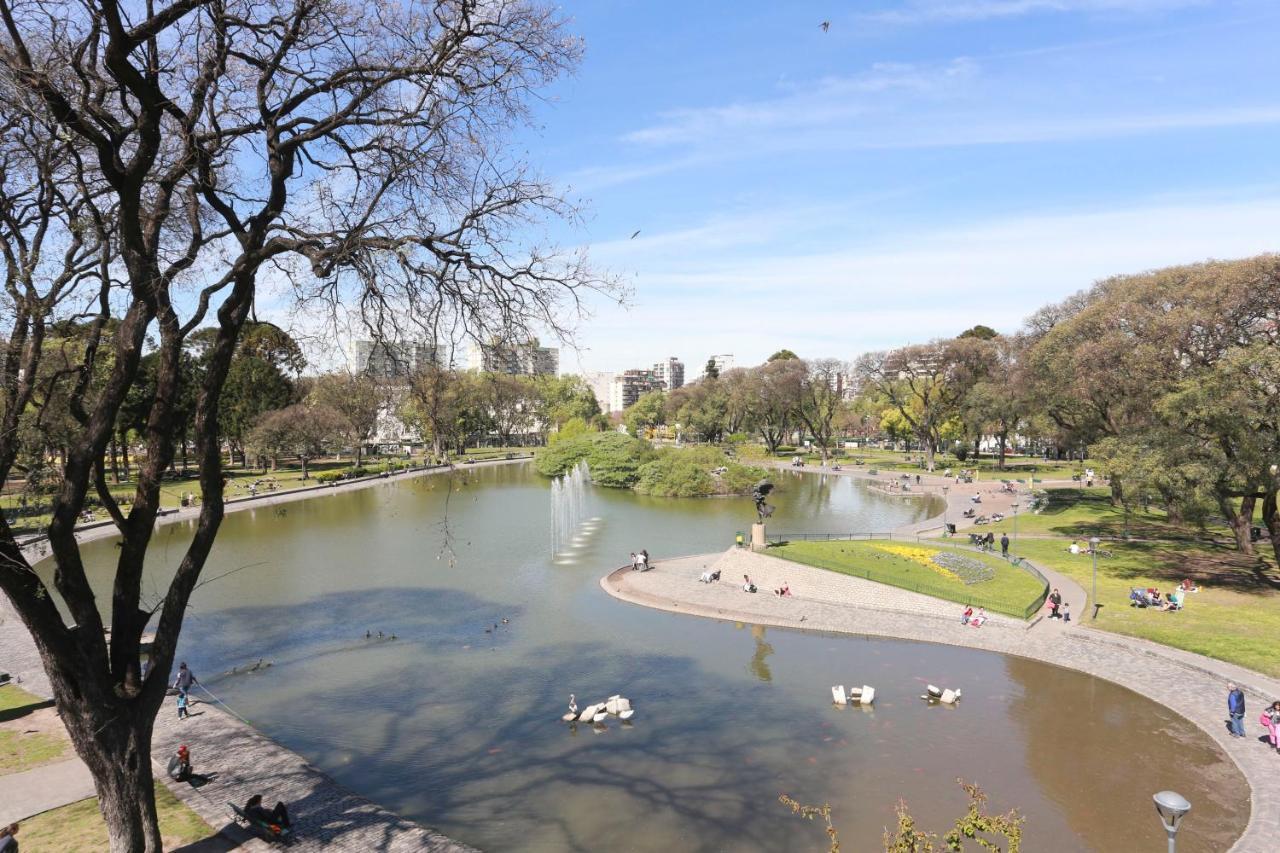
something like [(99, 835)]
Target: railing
[(780, 538)]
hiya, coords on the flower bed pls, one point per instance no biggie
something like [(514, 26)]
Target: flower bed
[(965, 568)]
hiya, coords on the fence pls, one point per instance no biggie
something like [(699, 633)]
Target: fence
[(1018, 562)]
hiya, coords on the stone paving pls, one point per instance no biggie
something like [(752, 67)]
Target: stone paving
[(1191, 685)]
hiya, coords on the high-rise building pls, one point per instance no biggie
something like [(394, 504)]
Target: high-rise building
[(517, 357), (670, 372), (392, 360), (629, 386), (722, 362), (600, 384)]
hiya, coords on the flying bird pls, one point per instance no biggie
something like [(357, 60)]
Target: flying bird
[(826, 25), (635, 235)]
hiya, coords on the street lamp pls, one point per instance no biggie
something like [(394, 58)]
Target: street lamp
[(945, 506), (1172, 808), (1093, 549), (1015, 528)]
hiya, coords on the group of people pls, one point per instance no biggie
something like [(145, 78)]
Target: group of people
[(1151, 597), (1269, 719), (1058, 609), (640, 560), (974, 621)]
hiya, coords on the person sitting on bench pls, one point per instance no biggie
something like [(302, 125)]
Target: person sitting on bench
[(255, 811)]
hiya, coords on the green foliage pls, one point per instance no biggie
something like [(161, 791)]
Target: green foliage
[(689, 472), (569, 430), (809, 813), (974, 825), (783, 355), (646, 412), (614, 458)]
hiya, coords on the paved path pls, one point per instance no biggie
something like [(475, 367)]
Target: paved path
[(1191, 685), (34, 791)]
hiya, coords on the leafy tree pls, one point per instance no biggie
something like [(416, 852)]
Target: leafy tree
[(980, 332), (301, 430), (357, 399), (646, 413), (563, 398), (712, 370), (784, 355), (701, 409)]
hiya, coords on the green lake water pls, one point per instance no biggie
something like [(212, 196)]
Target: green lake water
[(459, 728)]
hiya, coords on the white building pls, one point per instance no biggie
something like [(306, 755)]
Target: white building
[(722, 362), (600, 384), (392, 360), (528, 358), (670, 372)]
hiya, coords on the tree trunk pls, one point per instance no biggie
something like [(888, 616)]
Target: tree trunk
[(1271, 518), (184, 454), (1239, 521), (113, 737), (305, 459), (930, 450), (124, 453), (115, 462), (1004, 440), (359, 452)]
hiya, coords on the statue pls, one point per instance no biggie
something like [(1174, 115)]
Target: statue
[(759, 492)]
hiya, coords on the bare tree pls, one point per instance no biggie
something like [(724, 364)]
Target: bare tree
[(820, 400), (355, 146)]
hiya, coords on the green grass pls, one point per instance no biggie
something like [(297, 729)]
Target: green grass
[(1081, 513), (20, 750), (1235, 617), (79, 826), (1012, 591), (239, 481), (1024, 467)]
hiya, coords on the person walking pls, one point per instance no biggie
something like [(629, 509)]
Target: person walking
[(1271, 722), (182, 704), (1235, 707), (185, 678), (1004, 545)]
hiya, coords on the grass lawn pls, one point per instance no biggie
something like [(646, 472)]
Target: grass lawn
[(1236, 615), (239, 481), (908, 565), (896, 460), (20, 749), (1081, 513), (79, 826)]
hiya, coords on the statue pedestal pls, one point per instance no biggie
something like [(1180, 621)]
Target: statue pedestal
[(757, 536)]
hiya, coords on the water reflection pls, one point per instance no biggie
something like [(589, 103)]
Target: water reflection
[(456, 721)]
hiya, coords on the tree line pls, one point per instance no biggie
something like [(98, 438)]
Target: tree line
[(1170, 379)]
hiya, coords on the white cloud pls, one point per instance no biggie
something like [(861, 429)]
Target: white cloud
[(907, 289), (823, 102)]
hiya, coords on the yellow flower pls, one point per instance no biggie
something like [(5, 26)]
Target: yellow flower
[(923, 556)]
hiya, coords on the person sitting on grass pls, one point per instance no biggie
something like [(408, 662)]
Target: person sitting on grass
[(1188, 585), (8, 839), (277, 817), (1075, 547)]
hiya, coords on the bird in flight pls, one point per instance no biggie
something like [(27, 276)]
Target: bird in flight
[(826, 25), (635, 235)]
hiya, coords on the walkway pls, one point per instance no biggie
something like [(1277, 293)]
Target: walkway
[(34, 791), (1191, 685)]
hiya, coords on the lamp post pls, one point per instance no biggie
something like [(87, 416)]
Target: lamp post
[(1093, 549), (1015, 528), (946, 529), (1172, 808)]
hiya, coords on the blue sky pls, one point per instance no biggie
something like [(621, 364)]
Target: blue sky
[(922, 166)]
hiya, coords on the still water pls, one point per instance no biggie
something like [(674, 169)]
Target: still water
[(458, 726)]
